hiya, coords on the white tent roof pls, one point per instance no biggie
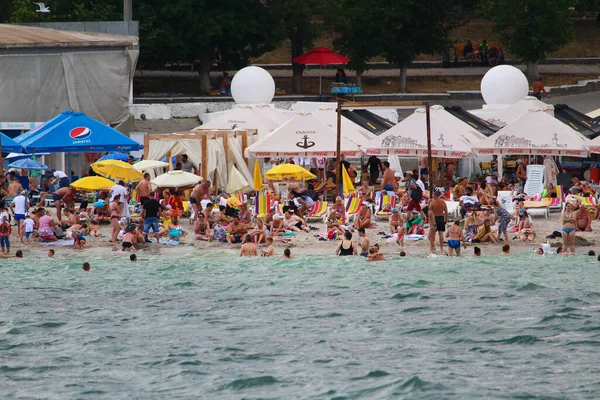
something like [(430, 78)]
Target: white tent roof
[(594, 145), (535, 133), (302, 136), (262, 118), (450, 137), (350, 130), (311, 106), (504, 116)]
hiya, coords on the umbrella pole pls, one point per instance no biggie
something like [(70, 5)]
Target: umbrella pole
[(429, 160), (338, 169), (320, 85)]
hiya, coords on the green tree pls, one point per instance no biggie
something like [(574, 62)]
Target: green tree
[(300, 21), (204, 33), (407, 28), (24, 11), (532, 28), (352, 23)]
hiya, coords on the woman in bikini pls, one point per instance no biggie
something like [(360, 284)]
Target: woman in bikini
[(455, 237), (245, 216), (339, 208), (568, 229), (526, 228), (365, 191), (248, 248), (115, 215)]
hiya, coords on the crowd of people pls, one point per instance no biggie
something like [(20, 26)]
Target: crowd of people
[(156, 216)]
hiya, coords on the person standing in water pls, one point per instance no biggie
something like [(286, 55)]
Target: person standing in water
[(438, 215), (455, 236), (346, 246)]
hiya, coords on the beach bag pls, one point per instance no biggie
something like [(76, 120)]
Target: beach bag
[(416, 194), (219, 234)]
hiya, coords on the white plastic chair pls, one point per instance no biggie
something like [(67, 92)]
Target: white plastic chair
[(535, 180)]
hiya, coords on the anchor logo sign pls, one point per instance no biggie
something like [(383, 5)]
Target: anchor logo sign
[(305, 144)]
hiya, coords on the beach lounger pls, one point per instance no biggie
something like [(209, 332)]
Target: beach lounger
[(453, 208), (537, 207), (505, 198), (319, 211), (262, 205), (352, 207), (384, 201), (557, 203), (535, 180)]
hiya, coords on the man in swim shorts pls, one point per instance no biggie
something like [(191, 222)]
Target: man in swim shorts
[(438, 215), (237, 231), (198, 194), (363, 242), (64, 195)]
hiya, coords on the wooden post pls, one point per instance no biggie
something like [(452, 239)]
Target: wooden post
[(204, 168), (146, 146), (169, 160), (429, 160), (244, 145), (338, 170)]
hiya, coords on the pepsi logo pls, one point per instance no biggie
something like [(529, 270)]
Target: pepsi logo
[(80, 133)]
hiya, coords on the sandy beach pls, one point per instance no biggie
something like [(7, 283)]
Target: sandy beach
[(306, 244)]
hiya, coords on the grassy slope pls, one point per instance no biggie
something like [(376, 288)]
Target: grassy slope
[(586, 43)]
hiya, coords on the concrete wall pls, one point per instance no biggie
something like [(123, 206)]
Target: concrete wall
[(186, 110), (131, 28)]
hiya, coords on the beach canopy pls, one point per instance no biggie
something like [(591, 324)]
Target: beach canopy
[(289, 171), (262, 118), (75, 132), (302, 136), (535, 133), (176, 179), (92, 183), (350, 130), (9, 145), (450, 137), (504, 116), (594, 146), (236, 181), (26, 163), (118, 170)]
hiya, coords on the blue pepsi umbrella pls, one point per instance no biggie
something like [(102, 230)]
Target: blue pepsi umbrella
[(115, 155), (28, 164), (75, 132), (9, 145)]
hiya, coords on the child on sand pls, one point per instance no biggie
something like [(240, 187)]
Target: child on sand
[(5, 231), (128, 239), (29, 227), (78, 240)]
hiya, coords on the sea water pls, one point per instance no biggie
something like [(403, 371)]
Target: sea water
[(221, 327)]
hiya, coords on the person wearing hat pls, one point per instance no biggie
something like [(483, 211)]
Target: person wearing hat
[(414, 224), (438, 215), (363, 219), (29, 225), (19, 207)]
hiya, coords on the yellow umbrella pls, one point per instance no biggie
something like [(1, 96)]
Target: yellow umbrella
[(92, 183), (347, 182), (290, 171), (258, 183), (117, 170)]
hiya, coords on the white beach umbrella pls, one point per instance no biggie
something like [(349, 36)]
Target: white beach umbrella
[(176, 179), (145, 165)]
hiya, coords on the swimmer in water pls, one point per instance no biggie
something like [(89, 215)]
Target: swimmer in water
[(287, 254), (86, 266), (248, 248), (132, 258), (51, 253), (270, 250), (374, 255), (476, 251)]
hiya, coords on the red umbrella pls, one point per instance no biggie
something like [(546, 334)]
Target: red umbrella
[(320, 56)]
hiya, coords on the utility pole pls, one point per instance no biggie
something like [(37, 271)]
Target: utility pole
[(127, 10)]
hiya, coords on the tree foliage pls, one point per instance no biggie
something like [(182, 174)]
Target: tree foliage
[(66, 11), (532, 28)]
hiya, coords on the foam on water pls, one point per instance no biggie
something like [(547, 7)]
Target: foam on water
[(198, 326)]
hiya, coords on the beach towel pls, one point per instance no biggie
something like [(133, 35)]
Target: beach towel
[(414, 237), (59, 243)]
